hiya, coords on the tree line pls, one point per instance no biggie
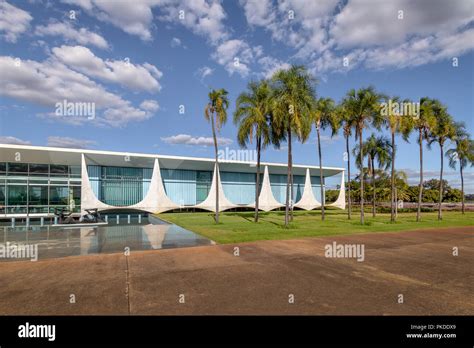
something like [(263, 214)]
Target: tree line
[(285, 108)]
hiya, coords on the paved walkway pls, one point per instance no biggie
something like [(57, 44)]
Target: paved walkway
[(417, 264)]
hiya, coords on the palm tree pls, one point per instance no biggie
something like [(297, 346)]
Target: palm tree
[(463, 152), (343, 120), (253, 117), (364, 109), (323, 115), (216, 113), (423, 124), (443, 130), (293, 98), (396, 122), (376, 149)]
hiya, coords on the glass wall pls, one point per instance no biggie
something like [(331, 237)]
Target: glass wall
[(278, 184), (186, 187), (203, 185), (239, 188), (30, 188), (119, 186)]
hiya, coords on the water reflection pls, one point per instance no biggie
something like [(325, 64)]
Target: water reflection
[(66, 241)]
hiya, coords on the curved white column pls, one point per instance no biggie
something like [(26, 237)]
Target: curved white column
[(308, 201), (341, 198), (266, 200), (210, 202), (156, 200), (88, 198)]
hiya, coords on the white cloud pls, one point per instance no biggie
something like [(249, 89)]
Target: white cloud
[(203, 17), (70, 142), (299, 24), (150, 105), (429, 31), (270, 65), (133, 17), (362, 24), (136, 77), (13, 21), (258, 12), (49, 82), (204, 72), (415, 52), (186, 139), (67, 31), (13, 140), (236, 56), (323, 33), (175, 42)]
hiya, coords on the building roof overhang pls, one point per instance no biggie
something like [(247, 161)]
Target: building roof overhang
[(55, 155)]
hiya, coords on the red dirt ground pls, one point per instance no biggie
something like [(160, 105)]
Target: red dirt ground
[(418, 264)]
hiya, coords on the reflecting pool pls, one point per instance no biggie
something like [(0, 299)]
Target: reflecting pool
[(52, 242)]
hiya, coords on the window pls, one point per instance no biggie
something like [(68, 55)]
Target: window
[(58, 195), (203, 185), (76, 194), (39, 169), (57, 169), (42, 181), (3, 167), (75, 171), (2, 193), (17, 195), (18, 168), (38, 195)]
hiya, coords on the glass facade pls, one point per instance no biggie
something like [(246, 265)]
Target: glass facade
[(186, 187), (29, 188), (123, 186), (278, 185), (239, 188), (119, 186)]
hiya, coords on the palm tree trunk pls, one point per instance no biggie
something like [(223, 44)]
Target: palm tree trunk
[(257, 185), (292, 203), (462, 188), (440, 183), (288, 179), (361, 178), (217, 169), (392, 196), (373, 188), (321, 178), (348, 179), (396, 202), (420, 193)]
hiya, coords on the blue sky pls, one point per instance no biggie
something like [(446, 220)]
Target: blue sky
[(139, 61)]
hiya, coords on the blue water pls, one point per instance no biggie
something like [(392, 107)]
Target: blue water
[(53, 242)]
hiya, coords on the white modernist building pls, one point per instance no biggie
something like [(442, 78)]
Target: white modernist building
[(36, 180)]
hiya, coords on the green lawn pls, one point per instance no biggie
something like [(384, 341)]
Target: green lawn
[(239, 226)]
